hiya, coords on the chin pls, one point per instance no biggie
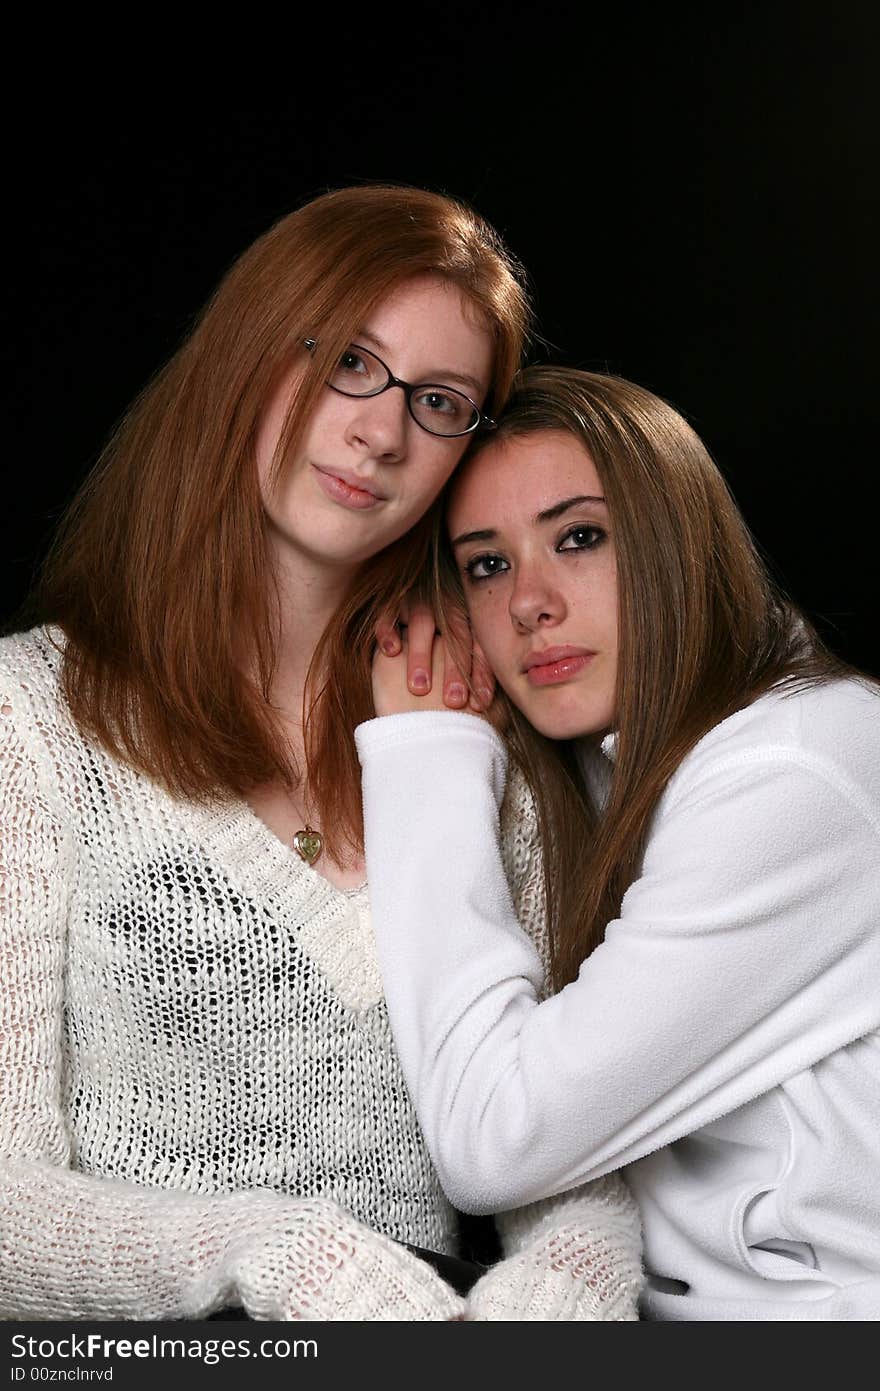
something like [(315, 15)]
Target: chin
[(562, 729), (567, 723)]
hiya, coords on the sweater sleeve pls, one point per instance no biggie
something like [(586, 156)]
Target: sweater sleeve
[(742, 955), (576, 1256), (74, 1245)]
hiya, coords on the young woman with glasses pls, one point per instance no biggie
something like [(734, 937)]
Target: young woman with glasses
[(200, 1104), (708, 783)]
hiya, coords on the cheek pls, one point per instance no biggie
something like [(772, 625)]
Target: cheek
[(428, 471), (442, 473), (271, 423), (325, 427), (266, 442), (595, 597), (490, 624), (611, 610)]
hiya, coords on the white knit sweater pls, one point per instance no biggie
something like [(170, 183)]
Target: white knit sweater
[(200, 1102)]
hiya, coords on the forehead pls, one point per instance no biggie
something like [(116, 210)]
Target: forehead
[(513, 480), (429, 314)]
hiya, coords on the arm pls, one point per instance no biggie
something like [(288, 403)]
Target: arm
[(77, 1246), (576, 1256), (740, 957), (73, 1246)]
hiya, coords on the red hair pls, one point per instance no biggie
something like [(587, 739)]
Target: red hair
[(160, 574)]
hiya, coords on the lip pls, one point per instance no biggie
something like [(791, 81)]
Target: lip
[(552, 665), (547, 655), (348, 488)]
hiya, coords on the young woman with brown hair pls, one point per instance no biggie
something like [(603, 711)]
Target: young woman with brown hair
[(708, 786), (200, 1104)]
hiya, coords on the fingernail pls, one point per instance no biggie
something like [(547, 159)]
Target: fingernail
[(419, 681), (484, 696), (456, 695), (389, 647)]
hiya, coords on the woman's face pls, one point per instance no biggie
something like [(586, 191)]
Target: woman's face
[(532, 540), (364, 471)]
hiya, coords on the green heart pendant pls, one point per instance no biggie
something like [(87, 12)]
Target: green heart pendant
[(308, 844)]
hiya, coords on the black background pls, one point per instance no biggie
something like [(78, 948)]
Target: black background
[(693, 193)]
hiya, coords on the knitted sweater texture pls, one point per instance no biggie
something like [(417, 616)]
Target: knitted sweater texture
[(200, 1101)]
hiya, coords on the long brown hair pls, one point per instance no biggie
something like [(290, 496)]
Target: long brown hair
[(703, 632), (160, 574)]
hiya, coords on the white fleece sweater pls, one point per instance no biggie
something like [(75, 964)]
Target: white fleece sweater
[(200, 1101), (722, 1042)]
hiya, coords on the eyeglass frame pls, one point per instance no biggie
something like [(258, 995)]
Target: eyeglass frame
[(483, 421)]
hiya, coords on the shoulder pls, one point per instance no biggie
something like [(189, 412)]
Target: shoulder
[(828, 731), (518, 816), (35, 720), (523, 860), (30, 667), (768, 834), (518, 806)]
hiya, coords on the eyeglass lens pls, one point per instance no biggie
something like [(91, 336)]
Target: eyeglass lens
[(440, 409)]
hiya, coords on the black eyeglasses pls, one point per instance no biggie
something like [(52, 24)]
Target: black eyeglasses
[(441, 410)]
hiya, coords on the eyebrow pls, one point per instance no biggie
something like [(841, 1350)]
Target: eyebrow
[(443, 374), (550, 515)]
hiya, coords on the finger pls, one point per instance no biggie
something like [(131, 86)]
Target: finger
[(457, 661), (386, 634), (419, 643), (482, 680), (455, 691)]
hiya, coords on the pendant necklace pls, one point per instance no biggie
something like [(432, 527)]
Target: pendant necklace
[(308, 844)]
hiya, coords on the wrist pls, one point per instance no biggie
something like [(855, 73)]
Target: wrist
[(431, 728)]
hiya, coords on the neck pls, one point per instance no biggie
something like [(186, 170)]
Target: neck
[(309, 594)]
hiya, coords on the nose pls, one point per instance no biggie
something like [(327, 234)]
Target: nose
[(379, 425), (536, 601)]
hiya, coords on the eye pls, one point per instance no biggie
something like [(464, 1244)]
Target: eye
[(485, 567), (358, 372), (439, 402), (351, 361), (582, 538), (443, 410)]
